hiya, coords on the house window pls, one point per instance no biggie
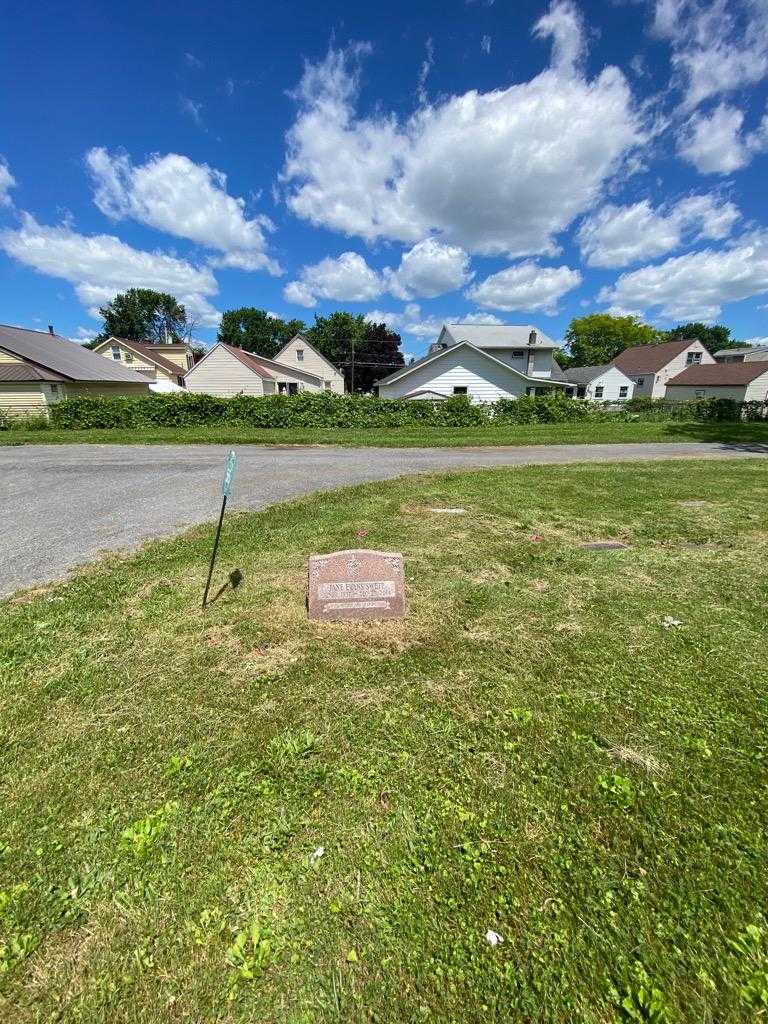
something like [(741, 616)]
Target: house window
[(581, 391), (693, 358), (599, 391), (530, 391), (459, 391), (128, 357), (287, 387), (623, 392), (640, 381), (517, 354), (54, 389), (116, 352), (300, 355), (327, 385), (700, 394)]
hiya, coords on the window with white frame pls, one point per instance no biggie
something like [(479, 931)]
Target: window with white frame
[(599, 391), (640, 381), (300, 355), (116, 352), (460, 391), (700, 394), (693, 358), (623, 391)]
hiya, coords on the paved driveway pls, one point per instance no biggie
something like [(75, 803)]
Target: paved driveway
[(60, 505)]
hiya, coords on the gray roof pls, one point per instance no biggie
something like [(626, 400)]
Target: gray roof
[(755, 353), (67, 358), (498, 335), (585, 374)]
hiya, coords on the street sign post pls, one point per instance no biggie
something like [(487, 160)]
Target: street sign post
[(226, 488)]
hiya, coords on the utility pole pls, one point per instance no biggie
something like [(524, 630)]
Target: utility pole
[(352, 386)]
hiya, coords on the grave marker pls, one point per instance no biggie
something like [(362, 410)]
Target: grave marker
[(356, 584)]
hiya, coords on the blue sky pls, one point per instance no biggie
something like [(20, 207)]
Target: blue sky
[(465, 160)]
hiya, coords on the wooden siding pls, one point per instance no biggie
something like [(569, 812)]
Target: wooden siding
[(611, 382), (655, 384), (134, 361), (312, 362), (484, 380), (755, 391), (8, 357), (222, 374), (24, 398)]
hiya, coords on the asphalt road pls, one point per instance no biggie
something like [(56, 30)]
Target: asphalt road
[(62, 505)]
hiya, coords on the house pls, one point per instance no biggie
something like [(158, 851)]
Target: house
[(301, 354), (599, 383), (651, 366), (743, 382), (227, 371), (165, 365), (38, 368), (482, 361), (755, 353)]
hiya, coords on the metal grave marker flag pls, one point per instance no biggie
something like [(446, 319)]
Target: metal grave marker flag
[(226, 488)]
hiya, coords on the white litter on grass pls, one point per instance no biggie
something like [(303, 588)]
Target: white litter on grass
[(451, 511), (669, 623), (316, 855), (493, 938)]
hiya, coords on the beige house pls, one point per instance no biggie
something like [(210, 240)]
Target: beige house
[(743, 382), (227, 371), (650, 367), (163, 364), (38, 368), (300, 354)]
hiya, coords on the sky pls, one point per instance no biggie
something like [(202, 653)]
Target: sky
[(475, 160)]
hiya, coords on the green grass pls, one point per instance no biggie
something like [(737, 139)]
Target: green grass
[(407, 437), (529, 751)]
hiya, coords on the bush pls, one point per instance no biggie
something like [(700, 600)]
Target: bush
[(323, 410), (30, 421)]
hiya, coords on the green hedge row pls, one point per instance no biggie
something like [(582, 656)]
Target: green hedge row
[(360, 412), (311, 410)]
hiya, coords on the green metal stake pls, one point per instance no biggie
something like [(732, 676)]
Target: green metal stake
[(226, 488)]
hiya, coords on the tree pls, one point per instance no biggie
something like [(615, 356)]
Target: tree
[(363, 351), (141, 314), (711, 336), (255, 330), (598, 338)]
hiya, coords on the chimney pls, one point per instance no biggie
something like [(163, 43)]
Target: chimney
[(532, 338), (50, 328)]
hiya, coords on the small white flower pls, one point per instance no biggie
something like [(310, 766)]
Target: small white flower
[(669, 623), (316, 855), (493, 938)]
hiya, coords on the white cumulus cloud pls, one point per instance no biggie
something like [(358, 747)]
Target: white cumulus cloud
[(7, 182), (695, 286), (189, 200), (412, 321), (99, 266), (715, 143), (347, 278), (500, 172), (615, 236), (717, 47), (428, 269), (525, 286)]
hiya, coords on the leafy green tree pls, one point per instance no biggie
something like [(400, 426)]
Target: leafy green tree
[(363, 351), (141, 314), (598, 338), (254, 330), (712, 336)]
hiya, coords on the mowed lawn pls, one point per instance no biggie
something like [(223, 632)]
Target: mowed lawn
[(416, 436), (240, 815)]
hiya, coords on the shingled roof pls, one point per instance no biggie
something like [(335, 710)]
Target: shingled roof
[(650, 358), (719, 375)]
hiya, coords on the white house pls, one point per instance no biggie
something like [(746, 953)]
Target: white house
[(300, 354), (483, 362), (227, 371), (753, 353), (743, 382), (600, 383), (651, 366), (38, 368)]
